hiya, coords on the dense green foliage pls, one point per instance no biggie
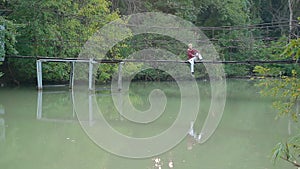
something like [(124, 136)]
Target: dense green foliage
[(226, 24), (60, 28), (54, 29), (7, 38)]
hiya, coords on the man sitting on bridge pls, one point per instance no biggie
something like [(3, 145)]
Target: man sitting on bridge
[(193, 55)]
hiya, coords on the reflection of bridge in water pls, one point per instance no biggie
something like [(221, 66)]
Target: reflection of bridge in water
[(2, 124), (42, 113), (39, 114)]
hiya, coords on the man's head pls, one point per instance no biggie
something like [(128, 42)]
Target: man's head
[(190, 46)]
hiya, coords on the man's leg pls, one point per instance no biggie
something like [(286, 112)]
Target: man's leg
[(192, 62), (199, 56)]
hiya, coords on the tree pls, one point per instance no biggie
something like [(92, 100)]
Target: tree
[(55, 29), (8, 33), (127, 7), (8, 38), (287, 91)]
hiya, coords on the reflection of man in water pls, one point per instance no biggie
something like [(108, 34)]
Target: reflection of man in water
[(193, 55), (193, 138)]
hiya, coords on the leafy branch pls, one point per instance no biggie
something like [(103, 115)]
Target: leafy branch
[(288, 151)]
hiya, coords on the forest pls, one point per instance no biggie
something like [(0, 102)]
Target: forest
[(239, 29)]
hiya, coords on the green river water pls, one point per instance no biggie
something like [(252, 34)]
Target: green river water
[(40, 130)]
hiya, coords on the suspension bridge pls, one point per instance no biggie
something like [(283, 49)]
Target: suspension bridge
[(92, 61)]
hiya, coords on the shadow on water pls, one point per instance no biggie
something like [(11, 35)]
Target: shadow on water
[(41, 130)]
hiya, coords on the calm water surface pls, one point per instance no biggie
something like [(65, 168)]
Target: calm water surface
[(39, 130)]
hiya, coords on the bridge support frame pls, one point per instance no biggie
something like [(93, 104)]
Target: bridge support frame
[(72, 62)]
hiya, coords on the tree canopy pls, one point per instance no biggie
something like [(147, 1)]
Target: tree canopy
[(239, 29)]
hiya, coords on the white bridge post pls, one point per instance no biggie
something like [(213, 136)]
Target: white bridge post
[(120, 76), (39, 74), (91, 74), (71, 83)]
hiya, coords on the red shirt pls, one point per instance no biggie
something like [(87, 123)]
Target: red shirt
[(191, 53)]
